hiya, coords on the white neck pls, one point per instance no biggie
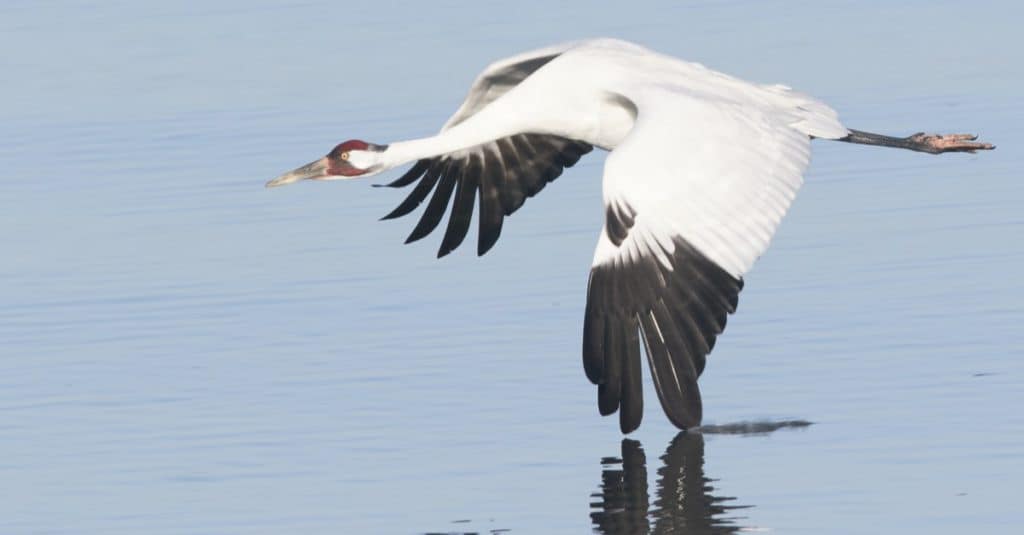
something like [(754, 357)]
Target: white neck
[(402, 152), (489, 124)]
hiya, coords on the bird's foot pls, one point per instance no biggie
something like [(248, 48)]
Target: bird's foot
[(939, 143)]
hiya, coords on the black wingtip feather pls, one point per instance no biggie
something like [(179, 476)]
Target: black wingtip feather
[(663, 372), (438, 203), (610, 388), (491, 212), (462, 208), (671, 356), (506, 172), (593, 347), (411, 175), (678, 309), (486, 243), (608, 399), (416, 196), (632, 403)]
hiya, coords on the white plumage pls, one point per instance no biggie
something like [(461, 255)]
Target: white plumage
[(698, 153), (702, 168)]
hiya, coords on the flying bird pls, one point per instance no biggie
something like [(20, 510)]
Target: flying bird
[(702, 166)]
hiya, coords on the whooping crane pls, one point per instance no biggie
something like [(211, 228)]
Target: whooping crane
[(702, 168)]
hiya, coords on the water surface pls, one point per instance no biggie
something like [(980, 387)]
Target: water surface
[(184, 351)]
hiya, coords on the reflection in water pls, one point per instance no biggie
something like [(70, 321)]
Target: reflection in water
[(762, 427), (684, 501)]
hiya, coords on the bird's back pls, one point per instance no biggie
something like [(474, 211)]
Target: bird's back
[(588, 75)]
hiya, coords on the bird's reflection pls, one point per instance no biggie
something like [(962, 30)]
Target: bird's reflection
[(684, 502)]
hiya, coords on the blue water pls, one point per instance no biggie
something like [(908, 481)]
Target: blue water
[(183, 351)]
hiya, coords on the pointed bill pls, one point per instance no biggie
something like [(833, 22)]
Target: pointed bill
[(312, 170)]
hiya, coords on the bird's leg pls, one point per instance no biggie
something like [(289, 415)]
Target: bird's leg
[(921, 142)]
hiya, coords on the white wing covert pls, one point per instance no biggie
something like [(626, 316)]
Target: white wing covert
[(692, 197), (501, 76)]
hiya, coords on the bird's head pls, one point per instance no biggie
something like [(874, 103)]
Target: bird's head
[(350, 159)]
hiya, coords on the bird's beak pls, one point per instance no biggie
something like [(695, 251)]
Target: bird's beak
[(317, 169)]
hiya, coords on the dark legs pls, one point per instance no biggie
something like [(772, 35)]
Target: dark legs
[(931, 143)]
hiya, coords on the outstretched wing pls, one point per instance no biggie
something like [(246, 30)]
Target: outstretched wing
[(501, 174), (502, 75), (692, 198)]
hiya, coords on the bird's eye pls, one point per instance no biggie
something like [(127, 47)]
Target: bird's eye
[(344, 155)]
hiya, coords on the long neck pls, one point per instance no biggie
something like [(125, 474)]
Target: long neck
[(493, 122), (402, 152)]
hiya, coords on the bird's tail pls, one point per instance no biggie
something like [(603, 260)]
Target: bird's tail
[(809, 115)]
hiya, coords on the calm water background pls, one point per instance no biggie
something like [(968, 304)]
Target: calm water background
[(184, 351)]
